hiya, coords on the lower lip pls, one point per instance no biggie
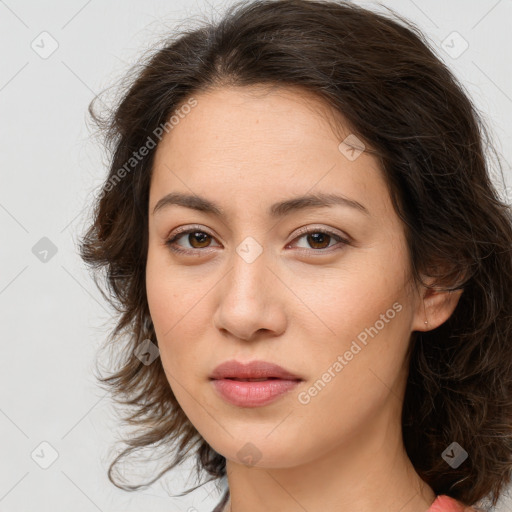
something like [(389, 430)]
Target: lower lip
[(253, 394)]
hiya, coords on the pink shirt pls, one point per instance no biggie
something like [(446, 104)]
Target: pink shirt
[(446, 504)]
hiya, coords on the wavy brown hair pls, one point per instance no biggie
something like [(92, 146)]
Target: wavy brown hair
[(403, 102)]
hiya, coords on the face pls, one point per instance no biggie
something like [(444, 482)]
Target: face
[(324, 291)]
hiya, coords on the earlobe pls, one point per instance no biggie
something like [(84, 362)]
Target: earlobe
[(436, 308)]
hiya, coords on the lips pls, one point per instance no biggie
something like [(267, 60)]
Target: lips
[(252, 371), (255, 384)]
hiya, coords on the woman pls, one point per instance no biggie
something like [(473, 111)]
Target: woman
[(311, 265)]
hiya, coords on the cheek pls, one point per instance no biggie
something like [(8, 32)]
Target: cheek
[(174, 319), (342, 301), (171, 306), (171, 291), (366, 317)]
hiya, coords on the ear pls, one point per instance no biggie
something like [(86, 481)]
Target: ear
[(435, 307)]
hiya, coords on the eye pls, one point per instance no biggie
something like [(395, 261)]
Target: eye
[(197, 239), (320, 239)]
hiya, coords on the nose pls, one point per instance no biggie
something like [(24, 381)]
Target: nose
[(250, 300)]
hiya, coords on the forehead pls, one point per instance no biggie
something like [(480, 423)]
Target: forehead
[(270, 115), (260, 142)]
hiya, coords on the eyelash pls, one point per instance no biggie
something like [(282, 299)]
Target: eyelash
[(171, 242)]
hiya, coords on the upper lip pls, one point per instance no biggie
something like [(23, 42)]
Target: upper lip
[(251, 370)]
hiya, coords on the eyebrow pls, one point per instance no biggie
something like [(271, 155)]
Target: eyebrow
[(318, 200)]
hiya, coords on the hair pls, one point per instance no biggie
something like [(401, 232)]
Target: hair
[(411, 112)]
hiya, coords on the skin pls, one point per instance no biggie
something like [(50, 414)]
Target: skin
[(298, 304)]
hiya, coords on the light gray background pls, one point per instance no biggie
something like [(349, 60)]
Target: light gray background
[(53, 318)]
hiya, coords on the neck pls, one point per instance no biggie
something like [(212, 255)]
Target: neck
[(368, 472)]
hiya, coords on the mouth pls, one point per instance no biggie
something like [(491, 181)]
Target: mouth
[(255, 384), (253, 392)]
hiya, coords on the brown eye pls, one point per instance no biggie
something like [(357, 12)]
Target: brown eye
[(200, 238), (318, 240), (195, 238)]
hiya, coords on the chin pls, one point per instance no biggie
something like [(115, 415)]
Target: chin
[(260, 451)]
